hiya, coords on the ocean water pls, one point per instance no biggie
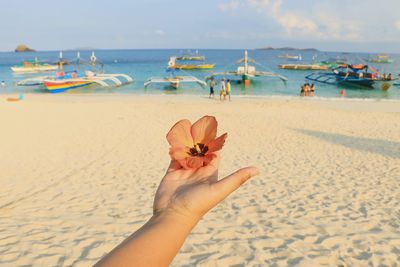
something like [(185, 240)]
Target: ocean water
[(143, 64)]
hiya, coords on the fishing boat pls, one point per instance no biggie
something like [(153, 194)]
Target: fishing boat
[(246, 72), (291, 57), (64, 81), (379, 59), (303, 67), (32, 66), (174, 81), (191, 58), (354, 75), (173, 64), (333, 63)]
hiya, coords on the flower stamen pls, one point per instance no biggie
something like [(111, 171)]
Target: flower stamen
[(199, 150)]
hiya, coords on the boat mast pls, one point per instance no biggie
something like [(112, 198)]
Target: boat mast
[(61, 61), (246, 65), (78, 55)]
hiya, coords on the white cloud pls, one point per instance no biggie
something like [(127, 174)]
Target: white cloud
[(229, 5), (159, 32), (397, 24), (296, 24)]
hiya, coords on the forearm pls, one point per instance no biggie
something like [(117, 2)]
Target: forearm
[(155, 244)]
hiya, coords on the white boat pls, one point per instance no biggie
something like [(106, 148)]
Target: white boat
[(291, 57), (247, 72), (33, 66), (64, 81)]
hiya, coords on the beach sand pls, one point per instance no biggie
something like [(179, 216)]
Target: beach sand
[(78, 174)]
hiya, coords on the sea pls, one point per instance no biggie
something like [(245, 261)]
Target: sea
[(143, 64)]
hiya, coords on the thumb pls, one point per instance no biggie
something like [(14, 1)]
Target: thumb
[(232, 182)]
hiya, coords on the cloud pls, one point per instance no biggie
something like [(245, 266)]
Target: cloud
[(229, 5), (159, 32), (397, 24), (296, 24)]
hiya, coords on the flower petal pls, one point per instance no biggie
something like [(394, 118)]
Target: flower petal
[(208, 158), (179, 135), (195, 162), (204, 130), (217, 144), (178, 153), (191, 163)]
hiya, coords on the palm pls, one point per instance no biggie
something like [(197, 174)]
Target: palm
[(194, 192), (189, 192)]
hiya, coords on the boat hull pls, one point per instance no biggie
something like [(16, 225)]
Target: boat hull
[(302, 67), (62, 86), (33, 69), (367, 83), (195, 67)]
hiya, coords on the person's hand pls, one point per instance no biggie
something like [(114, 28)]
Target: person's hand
[(190, 194)]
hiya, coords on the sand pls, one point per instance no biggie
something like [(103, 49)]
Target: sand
[(78, 174)]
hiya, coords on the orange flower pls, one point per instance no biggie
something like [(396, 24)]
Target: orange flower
[(194, 146)]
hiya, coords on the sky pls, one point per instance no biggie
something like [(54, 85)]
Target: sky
[(328, 25)]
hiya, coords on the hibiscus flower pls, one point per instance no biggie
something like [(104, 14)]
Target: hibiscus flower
[(194, 146)]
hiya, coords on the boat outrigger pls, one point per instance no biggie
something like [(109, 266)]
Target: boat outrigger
[(247, 72), (354, 75), (174, 81), (64, 81), (32, 66)]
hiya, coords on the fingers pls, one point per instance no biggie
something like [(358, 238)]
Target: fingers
[(232, 182)]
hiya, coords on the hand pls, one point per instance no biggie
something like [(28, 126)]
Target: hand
[(192, 193), (182, 198)]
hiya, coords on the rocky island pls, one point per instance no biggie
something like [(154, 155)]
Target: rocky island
[(23, 48)]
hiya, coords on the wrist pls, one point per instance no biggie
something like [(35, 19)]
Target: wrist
[(174, 217)]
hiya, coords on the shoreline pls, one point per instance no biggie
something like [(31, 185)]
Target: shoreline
[(362, 104)]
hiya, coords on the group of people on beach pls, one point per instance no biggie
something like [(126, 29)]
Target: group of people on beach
[(307, 90), (224, 91)]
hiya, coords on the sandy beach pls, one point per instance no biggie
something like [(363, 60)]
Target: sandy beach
[(78, 174)]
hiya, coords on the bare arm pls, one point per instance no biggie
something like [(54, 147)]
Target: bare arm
[(182, 198)]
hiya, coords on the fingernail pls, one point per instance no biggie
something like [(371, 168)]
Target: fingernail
[(254, 171)]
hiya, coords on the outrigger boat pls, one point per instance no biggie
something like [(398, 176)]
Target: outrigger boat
[(172, 63), (191, 58), (247, 72), (303, 67), (32, 66), (291, 57), (333, 63), (174, 81), (354, 75), (64, 81), (380, 59)]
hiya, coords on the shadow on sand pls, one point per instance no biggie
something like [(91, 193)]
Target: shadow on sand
[(385, 148)]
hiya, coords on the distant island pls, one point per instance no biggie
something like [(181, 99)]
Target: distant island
[(288, 49), (24, 48)]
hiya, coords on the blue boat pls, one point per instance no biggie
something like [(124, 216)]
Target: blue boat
[(354, 75)]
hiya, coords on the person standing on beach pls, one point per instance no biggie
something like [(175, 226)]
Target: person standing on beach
[(222, 92), (228, 89), (212, 86)]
